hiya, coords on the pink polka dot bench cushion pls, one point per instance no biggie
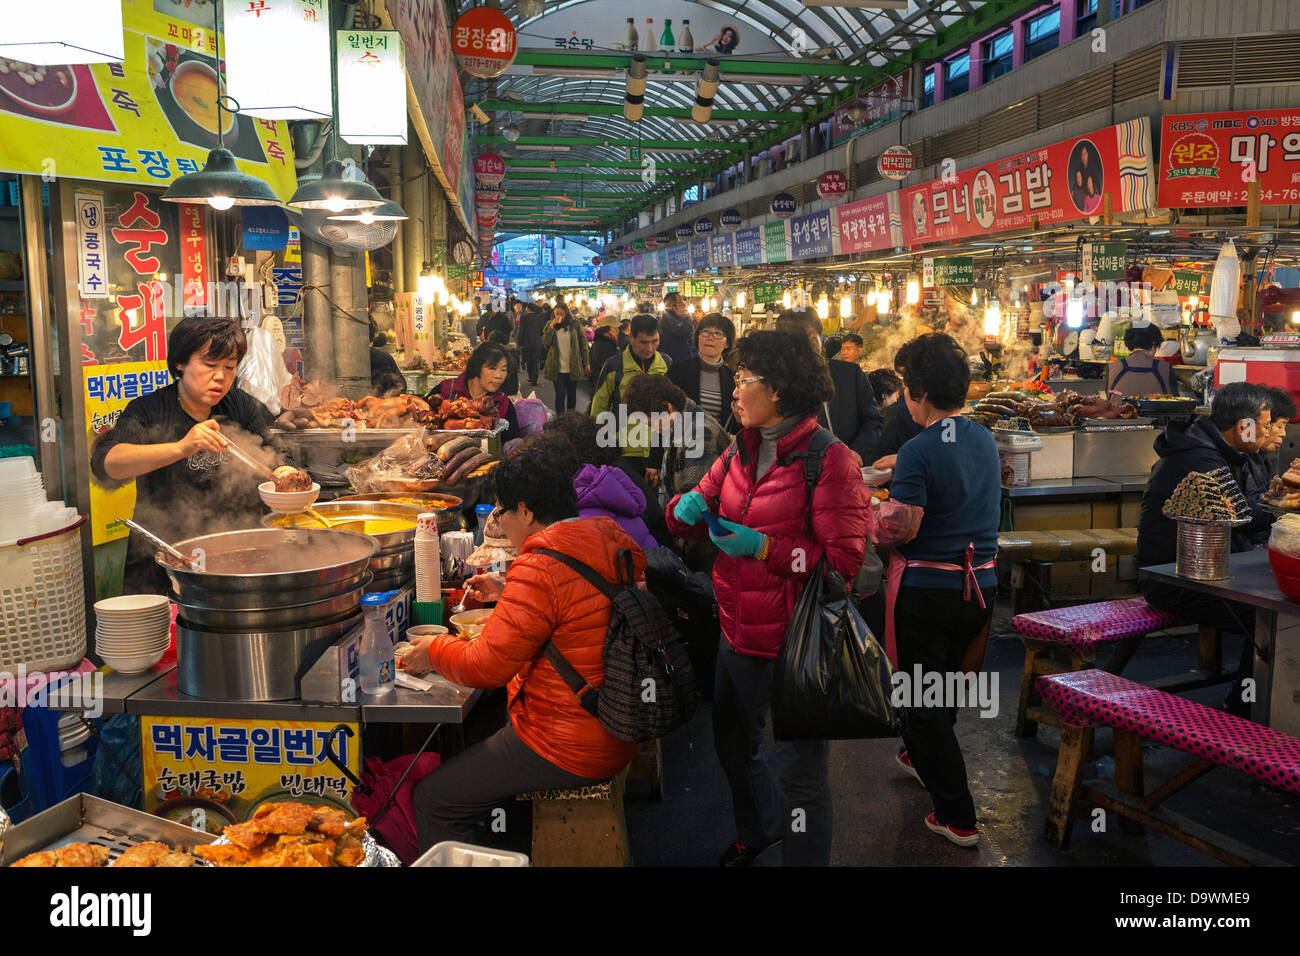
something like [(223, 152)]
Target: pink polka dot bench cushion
[(1094, 698), (1084, 626)]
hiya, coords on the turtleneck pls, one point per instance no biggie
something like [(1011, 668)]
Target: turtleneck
[(769, 438)]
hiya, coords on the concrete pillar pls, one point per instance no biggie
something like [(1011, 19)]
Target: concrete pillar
[(436, 227), (413, 191), (349, 321), (318, 323), (396, 194)]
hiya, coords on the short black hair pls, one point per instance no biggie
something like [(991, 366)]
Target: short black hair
[(800, 320), (901, 356), (644, 325), (1281, 403), (831, 345), (851, 337), (207, 337), (540, 474), (716, 320), (581, 431), (1146, 337), (785, 360), (669, 294), (653, 393), (884, 382), (937, 368), (485, 356), (1235, 401)]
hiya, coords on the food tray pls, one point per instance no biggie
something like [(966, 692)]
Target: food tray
[(1166, 406), (397, 485), (497, 429), (1112, 424), (362, 437), (89, 819)]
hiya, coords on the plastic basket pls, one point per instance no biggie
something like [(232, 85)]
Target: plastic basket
[(42, 604), (451, 853)]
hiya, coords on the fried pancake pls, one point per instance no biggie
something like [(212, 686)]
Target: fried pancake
[(82, 854), (223, 854), (248, 835), (296, 855), (329, 820), (41, 858), (154, 855), (283, 817)]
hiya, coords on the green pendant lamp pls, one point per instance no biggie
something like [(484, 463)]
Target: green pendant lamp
[(388, 212)]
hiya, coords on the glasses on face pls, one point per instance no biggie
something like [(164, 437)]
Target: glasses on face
[(749, 381), (713, 334)]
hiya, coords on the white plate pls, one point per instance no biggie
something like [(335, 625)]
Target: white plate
[(133, 602), (875, 477)]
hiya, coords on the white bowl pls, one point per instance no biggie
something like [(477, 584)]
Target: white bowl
[(136, 664), (132, 602), (288, 502), (875, 477)]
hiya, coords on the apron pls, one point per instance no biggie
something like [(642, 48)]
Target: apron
[(894, 581)]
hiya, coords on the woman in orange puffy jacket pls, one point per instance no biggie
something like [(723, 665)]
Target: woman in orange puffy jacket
[(550, 742)]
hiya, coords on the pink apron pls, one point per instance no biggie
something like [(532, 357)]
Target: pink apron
[(894, 580)]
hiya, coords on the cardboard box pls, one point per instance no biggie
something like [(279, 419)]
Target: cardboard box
[(1050, 517), (1105, 514), (1130, 510)]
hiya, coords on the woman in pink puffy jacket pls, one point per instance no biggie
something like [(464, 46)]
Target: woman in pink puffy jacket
[(777, 539)]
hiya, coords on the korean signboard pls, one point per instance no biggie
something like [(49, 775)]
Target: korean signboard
[(1104, 260), (223, 768), (700, 253), (1188, 283), (832, 185), (92, 270), (1057, 183), (723, 249), (948, 270), (484, 41), (148, 119), (638, 266), (896, 163), (259, 36), (194, 255), (372, 87), (749, 246), (1210, 159), (864, 225), (770, 292), (679, 257), (776, 242), (882, 101), (811, 236)]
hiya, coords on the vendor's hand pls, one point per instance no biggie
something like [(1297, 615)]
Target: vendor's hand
[(886, 463), (486, 587), (690, 508), (742, 542), (416, 661), (652, 477), (205, 436)]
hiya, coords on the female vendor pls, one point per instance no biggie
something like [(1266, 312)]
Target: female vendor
[(1140, 372), (171, 442), (941, 518), (484, 374)]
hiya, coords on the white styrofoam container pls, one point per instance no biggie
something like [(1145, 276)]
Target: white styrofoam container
[(1056, 458), (451, 853)]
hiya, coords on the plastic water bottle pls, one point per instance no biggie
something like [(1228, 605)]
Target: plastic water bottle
[(378, 667), (481, 515), (630, 38)]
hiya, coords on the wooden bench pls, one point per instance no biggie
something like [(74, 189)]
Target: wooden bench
[(580, 827), (1135, 712), (1067, 639)]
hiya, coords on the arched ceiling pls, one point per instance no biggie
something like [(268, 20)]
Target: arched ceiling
[(846, 36)]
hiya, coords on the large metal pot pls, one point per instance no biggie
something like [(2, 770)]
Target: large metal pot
[(251, 665), (294, 616), (446, 507), (394, 563)]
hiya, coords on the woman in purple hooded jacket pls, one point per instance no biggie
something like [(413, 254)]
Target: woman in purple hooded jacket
[(606, 490)]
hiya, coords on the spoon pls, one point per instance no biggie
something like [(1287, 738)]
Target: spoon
[(318, 516), (159, 543)]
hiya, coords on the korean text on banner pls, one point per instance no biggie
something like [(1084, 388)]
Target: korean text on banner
[(194, 255), (749, 246), (146, 120), (776, 242), (811, 235), (228, 766), (92, 270), (1210, 159), (108, 388), (699, 253), (372, 87), (723, 250), (864, 225), (1057, 183)]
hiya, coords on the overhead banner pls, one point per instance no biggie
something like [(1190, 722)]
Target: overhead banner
[(749, 246), (638, 266), (148, 119), (1054, 184), (1210, 159), (776, 242), (723, 250), (679, 257), (947, 271), (700, 253), (864, 225), (1104, 260), (882, 101), (812, 236), (677, 26)]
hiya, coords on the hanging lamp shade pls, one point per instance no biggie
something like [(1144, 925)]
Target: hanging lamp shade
[(63, 32), (388, 212), (278, 59), (335, 192), (221, 185)]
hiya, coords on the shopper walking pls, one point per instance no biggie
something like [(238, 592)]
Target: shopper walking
[(531, 325), (567, 354)]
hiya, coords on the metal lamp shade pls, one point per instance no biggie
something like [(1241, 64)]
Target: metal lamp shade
[(221, 178), (388, 212), (335, 192)]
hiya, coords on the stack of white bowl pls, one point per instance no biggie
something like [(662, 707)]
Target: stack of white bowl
[(24, 512), (132, 632)]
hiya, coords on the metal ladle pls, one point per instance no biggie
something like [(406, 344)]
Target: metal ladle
[(159, 543)]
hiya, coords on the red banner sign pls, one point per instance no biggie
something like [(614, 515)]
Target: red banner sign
[(194, 253), (1058, 183), (864, 225), (1210, 159), (484, 41)]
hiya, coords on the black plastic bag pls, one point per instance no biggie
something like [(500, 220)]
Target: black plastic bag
[(832, 680)]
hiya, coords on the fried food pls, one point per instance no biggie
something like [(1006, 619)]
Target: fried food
[(74, 854), (292, 835), (248, 835), (329, 820), (153, 854), (44, 858), (283, 817), (288, 478), (223, 854)]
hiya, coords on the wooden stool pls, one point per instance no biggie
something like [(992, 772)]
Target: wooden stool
[(580, 827)]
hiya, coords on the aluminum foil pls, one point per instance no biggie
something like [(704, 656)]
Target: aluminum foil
[(5, 823), (376, 855)]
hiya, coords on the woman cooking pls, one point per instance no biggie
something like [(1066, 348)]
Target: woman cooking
[(171, 441), (484, 374)]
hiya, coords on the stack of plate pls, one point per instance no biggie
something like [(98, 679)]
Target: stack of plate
[(24, 512), (132, 632)]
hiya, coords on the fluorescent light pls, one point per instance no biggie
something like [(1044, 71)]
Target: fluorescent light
[(544, 148), (576, 117), (859, 4)]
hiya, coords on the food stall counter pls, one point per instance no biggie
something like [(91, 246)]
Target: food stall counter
[(1063, 487), (118, 687), (1130, 483)]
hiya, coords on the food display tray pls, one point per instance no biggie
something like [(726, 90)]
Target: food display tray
[(1113, 424), (1167, 406), (88, 819), (497, 429), (362, 437)]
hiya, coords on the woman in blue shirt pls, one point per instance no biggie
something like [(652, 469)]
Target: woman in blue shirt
[(941, 518)]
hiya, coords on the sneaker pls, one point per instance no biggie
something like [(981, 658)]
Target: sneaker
[(903, 760), (955, 834), (740, 855)]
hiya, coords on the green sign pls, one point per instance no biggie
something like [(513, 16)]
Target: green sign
[(949, 270), (643, 288), (776, 242), (638, 245), (459, 273), (770, 292), (701, 288), (617, 290), (1187, 283), (634, 154), (1104, 260)]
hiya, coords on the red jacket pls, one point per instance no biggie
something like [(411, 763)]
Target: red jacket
[(756, 598), (546, 599)]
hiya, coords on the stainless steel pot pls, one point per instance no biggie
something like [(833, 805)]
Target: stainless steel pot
[(252, 665), (275, 618), (241, 601), (394, 563)]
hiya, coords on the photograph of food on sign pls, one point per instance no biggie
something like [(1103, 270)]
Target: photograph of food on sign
[(185, 85), (198, 12), (63, 95), (658, 28)]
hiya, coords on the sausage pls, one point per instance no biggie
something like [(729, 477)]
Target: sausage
[(449, 468), (1127, 411), (467, 468), (455, 446)]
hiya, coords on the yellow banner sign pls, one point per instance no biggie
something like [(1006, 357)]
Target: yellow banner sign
[(149, 119)]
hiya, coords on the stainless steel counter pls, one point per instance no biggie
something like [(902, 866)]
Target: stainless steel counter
[(1063, 488), (118, 687)]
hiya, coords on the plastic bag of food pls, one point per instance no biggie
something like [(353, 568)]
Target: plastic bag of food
[(1285, 535), (262, 373), (405, 460)]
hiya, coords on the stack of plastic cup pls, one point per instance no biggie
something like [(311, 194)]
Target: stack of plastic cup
[(428, 571)]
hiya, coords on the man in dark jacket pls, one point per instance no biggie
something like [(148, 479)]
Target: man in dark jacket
[(604, 346), (531, 322), (1238, 426), (899, 426), (676, 330), (853, 416)]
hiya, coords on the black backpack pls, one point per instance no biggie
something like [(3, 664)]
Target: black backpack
[(649, 687)]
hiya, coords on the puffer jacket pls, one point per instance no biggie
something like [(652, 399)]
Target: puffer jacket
[(544, 599), (610, 492), (756, 598)]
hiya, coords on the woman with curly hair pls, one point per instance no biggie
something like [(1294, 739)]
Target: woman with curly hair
[(776, 538)]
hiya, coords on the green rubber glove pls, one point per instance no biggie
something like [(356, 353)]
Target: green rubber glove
[(690, 508), (742, 542)]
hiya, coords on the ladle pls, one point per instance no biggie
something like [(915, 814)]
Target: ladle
[(159, 543)]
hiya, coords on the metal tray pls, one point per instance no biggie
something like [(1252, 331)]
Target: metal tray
[(89, 819), (1113, 424), (497, 429), (363, 437)]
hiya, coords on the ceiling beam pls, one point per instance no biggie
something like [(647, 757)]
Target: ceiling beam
[(786, 66), (646, 145), (531, 164), (560, 110)]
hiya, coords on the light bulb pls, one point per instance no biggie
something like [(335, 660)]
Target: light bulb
[(1192, 301), (424, 287), (823, 308), (740, 300), (786, 299), (366, 217), (913, 291), (690, 308), (871, 297), (221, 202), (846, 307), (336, 204), (1295, 318), (992, 320), (1074, 314)]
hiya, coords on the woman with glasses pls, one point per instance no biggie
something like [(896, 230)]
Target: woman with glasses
[(705, 379), (774, 540)]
